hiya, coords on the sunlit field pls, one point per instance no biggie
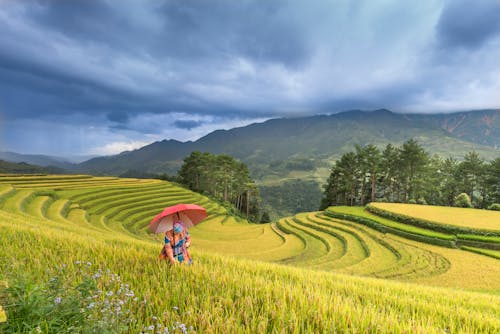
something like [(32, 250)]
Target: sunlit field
[(310, 273), (463, 217)]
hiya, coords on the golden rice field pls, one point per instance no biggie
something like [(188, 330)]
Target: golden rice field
[(309, 273), (463, 217)]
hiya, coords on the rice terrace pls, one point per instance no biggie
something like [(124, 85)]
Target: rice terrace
[(337, 270)]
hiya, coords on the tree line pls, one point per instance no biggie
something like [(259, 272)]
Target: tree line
[(409, 174), (223, 178)]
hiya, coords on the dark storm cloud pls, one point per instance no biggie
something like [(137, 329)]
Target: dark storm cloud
[(187, 124), (263, 31), (260, 30), (183, 38), (469, 24), (118, 117), (131, 70)]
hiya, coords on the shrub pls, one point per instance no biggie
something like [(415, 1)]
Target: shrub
[(412, 201), (422, 201), (494, 206), (265, 218), (462, 201)]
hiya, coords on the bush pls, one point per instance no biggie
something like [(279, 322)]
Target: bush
[(462, 201), (421, 201), (412, 201), (494, 206), (265, 218)]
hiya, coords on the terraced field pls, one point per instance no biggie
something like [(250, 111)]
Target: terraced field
[(345, 246), (74, 218), (486, 242), (125, 206), (461, 217)]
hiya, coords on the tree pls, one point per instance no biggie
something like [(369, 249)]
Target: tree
[(332, 189), (362, 172), (222, 177), (389, 166), (431, 182), (413, 160), (265, 218), (450, 182), (470, 171), (373, 161), (492, 181), (409, 174), (463, 201), (349, 171), (192, 172)]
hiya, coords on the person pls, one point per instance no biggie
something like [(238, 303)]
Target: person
[(177, 242)]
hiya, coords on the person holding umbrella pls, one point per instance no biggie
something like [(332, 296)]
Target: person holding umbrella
[(175, 221), (177, 242)]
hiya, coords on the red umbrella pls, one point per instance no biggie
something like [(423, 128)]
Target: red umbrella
[(188, 214)]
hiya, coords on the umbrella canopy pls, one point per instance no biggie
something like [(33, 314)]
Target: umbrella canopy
[(188, 214)]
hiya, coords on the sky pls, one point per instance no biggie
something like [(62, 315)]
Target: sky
[(97, 77)]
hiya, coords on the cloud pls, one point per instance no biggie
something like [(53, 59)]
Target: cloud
[(187, 124), (469, 24), (143, 71), (118, 117), (118, 147)]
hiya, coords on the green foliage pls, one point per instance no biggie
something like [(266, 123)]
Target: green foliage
[(487, 252), (265, 218), (88, 300), (471, 172), (224, 178), (291, 197), (421, 201), (494, 206), (462, 201), (492, 181), (408, 174)]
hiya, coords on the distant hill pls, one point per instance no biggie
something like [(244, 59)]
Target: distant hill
[(322, 137), (37, 159), (7, 167)]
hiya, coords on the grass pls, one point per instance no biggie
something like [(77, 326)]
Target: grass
[(221, 294), (488, 252)]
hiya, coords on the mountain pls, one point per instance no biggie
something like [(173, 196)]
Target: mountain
[(321, 137), (481, 126), (37, 159), (158, 157), (8, 167)]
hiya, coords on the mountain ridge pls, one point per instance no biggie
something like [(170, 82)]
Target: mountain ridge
[(323, 136)]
